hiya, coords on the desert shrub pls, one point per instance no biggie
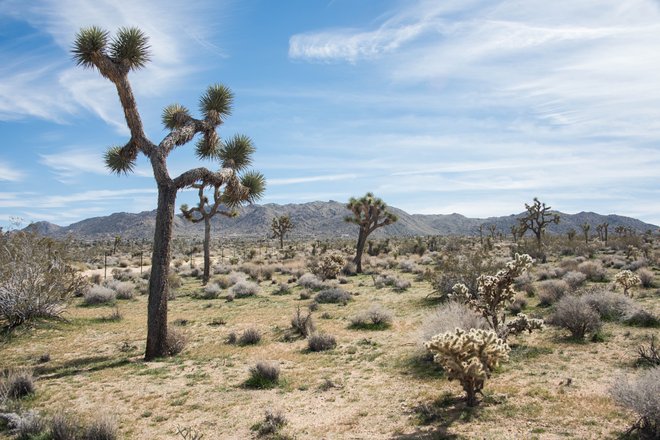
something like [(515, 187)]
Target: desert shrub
[(174, 280), (639, 317), (550, 291), (627, 280), (469, 357), (302, 323), (593, 270), (36, 280), (401, 285), (310, 281), (243, 289), (272, 423), (221, 269), (237, 277), (646, 278), (26, 426), (642, 396), (648, 355), (99, 295), (576, 315), (522, 323), (463, 268), (176, 341), (525, 284), (376, 318), (333, 295), (574, 279), (96, 278), (222, 281), (263, 375), (101, 428), (517, 305), (407, 266), (321, 342), (383, 280), (305, 294), (123, 289), (16, 385), (210, 291), (547, 273), (282, 289), (349, 269), (250, 336), (611, 306)]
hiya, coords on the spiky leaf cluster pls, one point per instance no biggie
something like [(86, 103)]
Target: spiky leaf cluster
[(468, 356), (130, 48), (120, 160), (216, 103), (495, 292), (627, 280), (175, 116), (236, 153), (89, 42)]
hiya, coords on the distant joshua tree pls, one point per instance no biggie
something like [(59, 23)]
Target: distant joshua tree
[(114, 58), (280, 226), (239, 149), (586, 227), (602, 232), (492, 229), (537, 218), (515, 232), (369, 213)]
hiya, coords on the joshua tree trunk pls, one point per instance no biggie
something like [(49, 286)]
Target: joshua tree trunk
[(282, 241), (158, 281), (359, 251), (207, 250)]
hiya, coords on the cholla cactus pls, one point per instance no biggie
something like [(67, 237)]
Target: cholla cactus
[(330, 266), (494, 292), (469, 357), (522, 323), (627, 279)]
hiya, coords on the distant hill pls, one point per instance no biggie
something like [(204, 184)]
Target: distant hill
[(315, 219)]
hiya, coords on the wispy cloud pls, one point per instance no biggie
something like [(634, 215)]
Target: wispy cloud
[(10, 173), (69, 88), (310, 179), (70, 163)]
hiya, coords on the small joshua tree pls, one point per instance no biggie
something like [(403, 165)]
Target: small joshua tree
[(494, 293), (280, 227), (469, 357), (537, 218), (627, 280), (515, 232), (114, 59), (238, 150), (369, 213), (586, 227)]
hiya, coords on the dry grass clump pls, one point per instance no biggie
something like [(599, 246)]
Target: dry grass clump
[(646, 277), (321, 342), (376, 318), (123, 289), (263, 375), (250, 336), (449, 316), (282, 289), (642, 396), (302, 323), (210, 291), (333, 295), (611, 306), (96, 295), (176, 341), (16, 384), (24, 426), (273, 422)]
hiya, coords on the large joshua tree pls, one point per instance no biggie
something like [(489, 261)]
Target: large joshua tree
[(369, 213), (240, 150), (114, 58), (537, 218)]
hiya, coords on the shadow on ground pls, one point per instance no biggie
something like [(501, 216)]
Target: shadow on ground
[(81, 365)]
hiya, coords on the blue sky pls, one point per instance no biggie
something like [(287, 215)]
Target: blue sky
[(437, 106)]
